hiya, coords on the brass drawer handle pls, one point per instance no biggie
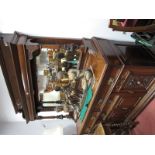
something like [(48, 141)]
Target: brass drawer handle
[(138, 82), (97, 107), (111, 81), (100, 101)]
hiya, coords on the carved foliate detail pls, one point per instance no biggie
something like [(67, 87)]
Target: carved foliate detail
[(138, 82), (134, 81)]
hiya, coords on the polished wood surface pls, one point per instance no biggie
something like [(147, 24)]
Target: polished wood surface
[(124, 76), (128, 85)]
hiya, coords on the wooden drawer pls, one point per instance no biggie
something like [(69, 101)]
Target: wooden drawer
[(135, 81), (120, 105)]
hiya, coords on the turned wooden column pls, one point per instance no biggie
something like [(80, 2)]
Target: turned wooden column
[(41, 108), (57, 102), (70, 116), (53, 117), (47, 108)]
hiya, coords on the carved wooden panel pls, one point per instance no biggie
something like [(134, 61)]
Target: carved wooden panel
[(138, 81), (134, 81)]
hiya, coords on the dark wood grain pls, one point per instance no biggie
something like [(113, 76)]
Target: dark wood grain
[(124, 77)]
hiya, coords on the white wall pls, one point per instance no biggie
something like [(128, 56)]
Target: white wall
[(41, 127), (61, 27), (57, 19)]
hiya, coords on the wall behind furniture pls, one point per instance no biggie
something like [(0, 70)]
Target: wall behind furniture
[(58, 18), (63, 27), (40, 127)]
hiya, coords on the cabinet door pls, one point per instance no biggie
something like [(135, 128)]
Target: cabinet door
[(10, 64), (9, 72), (121, 106)]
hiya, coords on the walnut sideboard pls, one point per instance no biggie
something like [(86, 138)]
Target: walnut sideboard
[(124, 76)]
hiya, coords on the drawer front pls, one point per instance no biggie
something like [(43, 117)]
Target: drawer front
[(121, 106), (134, 81)]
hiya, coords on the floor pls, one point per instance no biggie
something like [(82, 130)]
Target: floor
[(146, 121)]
